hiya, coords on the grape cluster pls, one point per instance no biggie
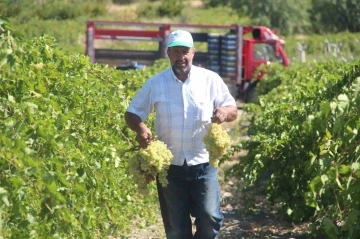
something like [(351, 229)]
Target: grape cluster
[(150, 162), (217, 141)]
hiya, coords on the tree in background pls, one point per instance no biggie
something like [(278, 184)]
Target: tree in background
[(170, 8), (163, 8), (335, 15), (287, 16), (215, 3), (24, 10), (299, 16)]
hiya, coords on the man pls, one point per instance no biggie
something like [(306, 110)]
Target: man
[(186, 98)]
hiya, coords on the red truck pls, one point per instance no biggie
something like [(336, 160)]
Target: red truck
[(233, 51)]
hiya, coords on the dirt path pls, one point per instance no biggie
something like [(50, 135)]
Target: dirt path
[(253, 216), (245, 217)]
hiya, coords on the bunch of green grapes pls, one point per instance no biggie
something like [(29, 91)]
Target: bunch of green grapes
[(217, 141), (151, 162)]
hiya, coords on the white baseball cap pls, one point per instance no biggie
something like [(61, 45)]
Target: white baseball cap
[(180, 38)]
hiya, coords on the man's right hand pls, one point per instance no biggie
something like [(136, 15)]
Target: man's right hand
[(144, 136), (149, 179), (143, 133)]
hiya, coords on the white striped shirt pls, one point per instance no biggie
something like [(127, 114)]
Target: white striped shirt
[(183, 110)]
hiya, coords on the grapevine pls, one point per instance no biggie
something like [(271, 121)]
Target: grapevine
[(217, 141), (150, 162)]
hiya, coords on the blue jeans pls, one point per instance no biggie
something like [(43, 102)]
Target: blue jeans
[(192, 190)]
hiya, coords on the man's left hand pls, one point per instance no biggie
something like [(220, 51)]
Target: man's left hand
[(219, 115)]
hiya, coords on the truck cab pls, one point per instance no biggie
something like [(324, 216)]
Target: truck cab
[(261, 52), (233, 51)]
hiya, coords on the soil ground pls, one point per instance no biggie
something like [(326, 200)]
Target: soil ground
[(245, 217)]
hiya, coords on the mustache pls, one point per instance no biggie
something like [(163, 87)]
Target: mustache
[(181, 62)]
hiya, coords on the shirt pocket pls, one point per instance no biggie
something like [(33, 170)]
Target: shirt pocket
[(201, 99)]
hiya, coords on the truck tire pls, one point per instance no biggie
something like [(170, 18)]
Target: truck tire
[(233, 89), (251, 95)]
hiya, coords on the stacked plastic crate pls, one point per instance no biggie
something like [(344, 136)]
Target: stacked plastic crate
[(214, 52), (228, 56)]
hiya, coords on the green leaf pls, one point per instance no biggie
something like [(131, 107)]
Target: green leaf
[(339, 183), (355, 166), (3, 62), (330, 228), (4, 197), (343, 97), (351, 220), (30, 218), (316, 184), (344, 169), (324, 179), (328, 134)]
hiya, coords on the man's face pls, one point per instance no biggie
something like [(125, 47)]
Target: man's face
[(181, 59)]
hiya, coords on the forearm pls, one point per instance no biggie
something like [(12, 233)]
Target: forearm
[(143, 133), (134, 122)]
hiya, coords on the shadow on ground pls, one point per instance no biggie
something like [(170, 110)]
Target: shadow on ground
[(260, 222)]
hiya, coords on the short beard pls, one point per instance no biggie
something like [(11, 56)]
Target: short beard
[(181, 71)]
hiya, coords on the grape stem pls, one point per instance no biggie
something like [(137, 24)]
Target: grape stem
[(135, 148)]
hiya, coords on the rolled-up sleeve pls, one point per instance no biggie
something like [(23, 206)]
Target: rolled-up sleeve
[(223, 96)]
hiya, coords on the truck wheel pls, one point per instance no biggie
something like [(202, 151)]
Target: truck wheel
[(251, 95), (232, 89)]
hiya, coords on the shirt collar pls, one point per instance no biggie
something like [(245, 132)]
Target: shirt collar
[(175, 78)]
